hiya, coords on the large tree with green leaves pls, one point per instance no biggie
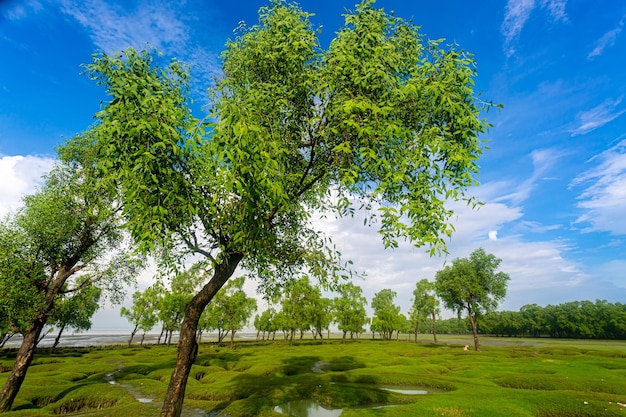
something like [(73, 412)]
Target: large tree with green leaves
[(383, 119), (64, 238), (472, 285)]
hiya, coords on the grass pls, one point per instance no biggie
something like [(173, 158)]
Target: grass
[(509, 377)]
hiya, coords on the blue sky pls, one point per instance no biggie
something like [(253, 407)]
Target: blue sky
[(553, 180)]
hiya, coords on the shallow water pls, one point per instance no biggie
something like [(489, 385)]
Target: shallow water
[(307, 408), (406, 390)]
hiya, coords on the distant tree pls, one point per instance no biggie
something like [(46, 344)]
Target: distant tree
[(453, 325), (171, 304), (75, 311), (425, 303), (298, 302), (472, 285), (321, 315), (142, 313), (349, 310), (234, 306), (265, 323), (386, 314), (68, 226)]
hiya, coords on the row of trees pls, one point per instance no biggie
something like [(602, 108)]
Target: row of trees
[(157, 305), (575, 319), (471, 285), (382, 120)]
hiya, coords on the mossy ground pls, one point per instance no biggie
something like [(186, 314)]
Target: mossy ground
[(509, 377)]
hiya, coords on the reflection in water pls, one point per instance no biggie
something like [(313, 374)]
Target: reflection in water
[(306, 408)]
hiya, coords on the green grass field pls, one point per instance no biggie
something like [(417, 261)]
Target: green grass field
[(509, 377)]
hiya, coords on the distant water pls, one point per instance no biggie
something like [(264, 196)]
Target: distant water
[(113, 338)]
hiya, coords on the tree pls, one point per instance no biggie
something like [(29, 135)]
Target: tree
[(298, 303), (386, 314), (321, 316), (75, 311), (472, 285), (54, 246), (425, 303), (382, 119), (234, 306), (349, 309), (265, 323), (142, 313)]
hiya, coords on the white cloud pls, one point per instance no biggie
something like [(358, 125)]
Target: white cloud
[(604, 199), (20, 176), (607, 40), (543, 160), (598, 116), (517, 13), (20, 10), (542, 265), (113, 28)]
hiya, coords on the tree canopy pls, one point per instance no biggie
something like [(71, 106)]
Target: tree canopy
[(64, 239), (382, 120), (473, 285)]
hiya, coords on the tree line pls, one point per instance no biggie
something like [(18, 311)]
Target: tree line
[(470, 285), (574, 319)]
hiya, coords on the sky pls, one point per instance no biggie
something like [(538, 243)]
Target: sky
[(553, 180)]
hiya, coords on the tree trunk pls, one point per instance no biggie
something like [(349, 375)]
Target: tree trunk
[(169, 338), (232, 339), (472, 320), (435, 327), (132, 335), (30, 339), (187, 344), (57, 339), (417, 329), (5, 338), (23, 359), (160, 336)]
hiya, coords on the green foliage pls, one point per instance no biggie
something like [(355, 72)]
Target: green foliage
[(574, 319), (381, 120), (349, 309), (300, 302), (384, 118), (387, 317), (472, 285), (143, 312), (231, 308), (425, 303)]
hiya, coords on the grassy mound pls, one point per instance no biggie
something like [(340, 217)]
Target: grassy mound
[(548, 380)]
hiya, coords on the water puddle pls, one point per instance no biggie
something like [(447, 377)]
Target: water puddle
[(405, 390), (307, 408), (311, 408)]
